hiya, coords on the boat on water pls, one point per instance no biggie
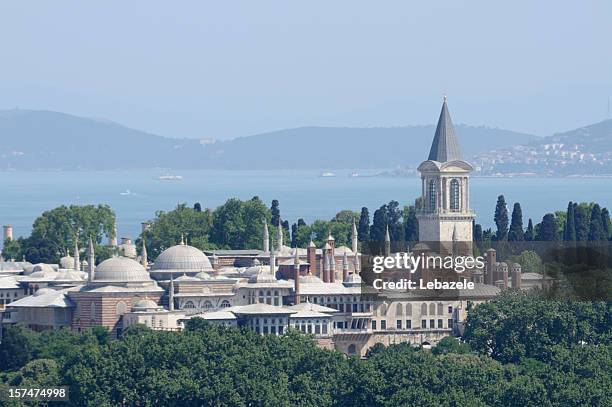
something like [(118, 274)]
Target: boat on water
[(170, 177), (354, 174), (328, 174), (126, 192)]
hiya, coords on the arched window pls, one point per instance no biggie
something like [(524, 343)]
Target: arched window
[(423, 309), (440, 308), (92, 311), (120, 308), (454, 195), (208, 305), (399, 309), (225, 304), (408, 309), (432, 192), (189, 305), (432, 309)]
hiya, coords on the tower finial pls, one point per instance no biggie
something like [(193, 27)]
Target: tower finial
[(182, 239)]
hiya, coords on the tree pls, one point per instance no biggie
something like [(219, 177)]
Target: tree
[(581, 220), (516, 225), (411, 228), (596, 228), (501, 218), (394, 220), (197, 207), (605, 220), (547, 231), (13, 249), (529, 232), (363, 229), (294, 229), (569, 232), (237, 224), (167, 229), (274, 209), (477, 232), (379, 224)]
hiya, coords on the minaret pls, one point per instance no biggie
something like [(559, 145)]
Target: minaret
[(332, 266), (77, 259), (354, 237), (171, 294), (387, 242), (357, 264), (296, 277), (279, 235), (266, 238), (345, 267), (112, 239), (91, 261), (143, 255), (273, 262)]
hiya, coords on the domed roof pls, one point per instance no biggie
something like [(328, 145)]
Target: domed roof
[(310, 279), (120, 269), (263, 277), (70, 275), (67, 262), (182, 258), (42, 270), (203, 276), (145, 304)]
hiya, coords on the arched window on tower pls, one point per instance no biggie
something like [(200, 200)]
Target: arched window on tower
[(454, 195), (432, 193)]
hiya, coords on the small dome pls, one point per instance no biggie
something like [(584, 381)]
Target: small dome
[(42, 270), (310, 279), (69, 275), (263, 277), (516, 266), (67, 262), (203, 276), (183, 258), (120, 269), (145, 304)]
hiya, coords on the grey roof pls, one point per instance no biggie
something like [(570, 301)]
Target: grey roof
[(445, 146)]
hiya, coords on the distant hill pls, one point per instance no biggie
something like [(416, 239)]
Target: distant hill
[(583, 151), (50, 140)]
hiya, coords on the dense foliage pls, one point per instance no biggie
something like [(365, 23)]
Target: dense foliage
[(518, 351)]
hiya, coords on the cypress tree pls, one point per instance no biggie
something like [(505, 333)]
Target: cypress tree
[(197, 207), (569, 232), (363, 229), (394, 220), (275, 212), (515, 233), (596, 228), (501, 218), (581, 216), (285, 225), (548, 229), (411, 225), (477, 231), (294, 228), (605, 220), (379, 224), (529, 233)]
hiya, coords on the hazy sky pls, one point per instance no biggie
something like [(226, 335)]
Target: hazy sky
[(232, 68)]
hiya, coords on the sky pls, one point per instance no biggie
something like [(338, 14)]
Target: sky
[(226, 69)]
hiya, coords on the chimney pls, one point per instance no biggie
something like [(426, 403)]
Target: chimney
[(516, 276), (311, 256), (8, 232), (332, 266), (325, 265), (296, 277), (490, 265)]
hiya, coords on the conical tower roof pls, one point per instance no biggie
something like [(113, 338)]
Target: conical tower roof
[(445, 146)]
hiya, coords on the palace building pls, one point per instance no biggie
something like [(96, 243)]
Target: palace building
[(316, 290)]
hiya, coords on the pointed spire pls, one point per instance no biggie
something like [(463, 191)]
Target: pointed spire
[(445, 146), (77, 259), (273, 262), (387, 236), (357, 264), (354, 237), (143, 254), (296, 259), (279, 235), (387, 242), (345, 264), (171, 294), (266, 237), (91, 261), (182, 239)]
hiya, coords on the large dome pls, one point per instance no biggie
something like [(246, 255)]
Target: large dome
[(182, 258), (121, 269)]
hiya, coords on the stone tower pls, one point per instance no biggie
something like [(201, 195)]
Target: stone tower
[(446, 217)]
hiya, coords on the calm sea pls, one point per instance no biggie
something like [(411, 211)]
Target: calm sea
[(136, 195)]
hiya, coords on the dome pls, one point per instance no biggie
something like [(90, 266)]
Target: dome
[(70, 275), (145, 304), (263, 277), (310, 279), (183, 258), (67, 262), (120, 269), (42, 270), (203, 276)]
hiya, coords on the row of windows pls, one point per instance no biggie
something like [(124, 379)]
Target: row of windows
[(454, 194), (425, 310), (8, 294), (207, 305), (407, 324)]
